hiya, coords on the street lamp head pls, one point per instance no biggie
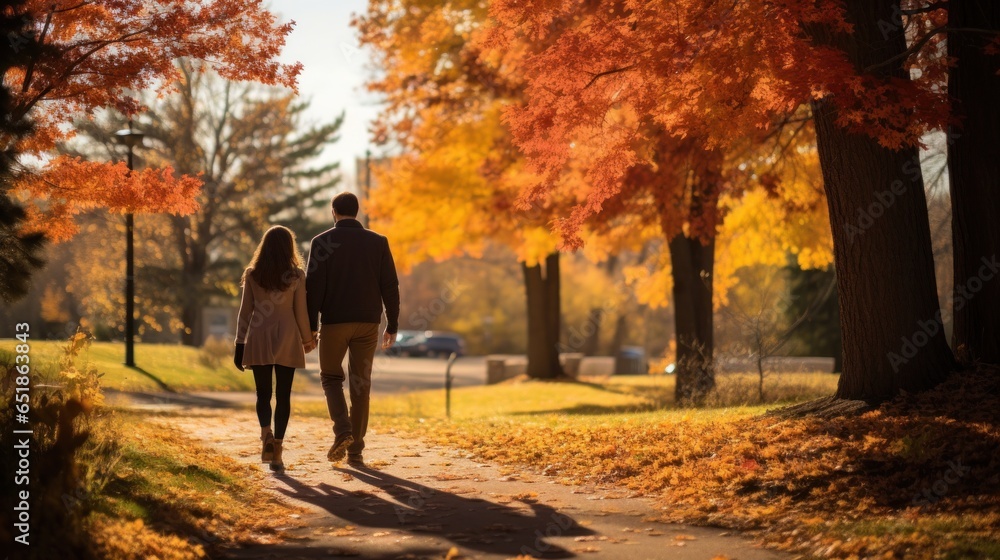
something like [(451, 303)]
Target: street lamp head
[(129, 137)]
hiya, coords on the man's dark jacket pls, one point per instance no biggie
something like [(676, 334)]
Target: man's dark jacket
[(350, 276)]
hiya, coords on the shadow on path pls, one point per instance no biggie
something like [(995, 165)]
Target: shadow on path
[(163, 386), (471, 523)]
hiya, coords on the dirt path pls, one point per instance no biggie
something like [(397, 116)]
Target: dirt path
[(414, 500)]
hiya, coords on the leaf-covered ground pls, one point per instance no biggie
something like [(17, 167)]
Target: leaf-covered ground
[(173, 499), (917, 478)]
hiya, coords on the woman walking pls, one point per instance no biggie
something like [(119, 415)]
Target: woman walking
[(272, 334)]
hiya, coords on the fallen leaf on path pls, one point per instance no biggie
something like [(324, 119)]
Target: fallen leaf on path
[(443, 477)]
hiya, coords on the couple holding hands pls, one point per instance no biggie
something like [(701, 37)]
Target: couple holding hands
[(336, 305)]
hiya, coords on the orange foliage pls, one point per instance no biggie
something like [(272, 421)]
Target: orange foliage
[(72, 186), (714, 72), (450, 190), (97, 54)]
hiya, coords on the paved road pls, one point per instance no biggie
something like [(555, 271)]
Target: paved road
[(401, 375)]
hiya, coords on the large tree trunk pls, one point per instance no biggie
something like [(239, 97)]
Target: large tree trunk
[(553, 312), (692, 263), (974, 172), (192, 303), (192, 289), (542, 296), (190, 315), (889, 311)]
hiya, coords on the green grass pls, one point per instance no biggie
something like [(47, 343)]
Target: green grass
[(160, 366), (597, 401), (154, 467)]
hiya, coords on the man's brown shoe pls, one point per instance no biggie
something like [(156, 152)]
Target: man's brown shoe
[(339, 448), (355, 460)]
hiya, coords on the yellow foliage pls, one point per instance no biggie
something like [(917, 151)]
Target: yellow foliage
[(133, 540), (784, 214)]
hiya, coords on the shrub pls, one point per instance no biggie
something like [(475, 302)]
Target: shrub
[(215, 352), (67, 465)]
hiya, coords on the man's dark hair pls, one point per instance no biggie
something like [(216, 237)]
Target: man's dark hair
[(346, 204)]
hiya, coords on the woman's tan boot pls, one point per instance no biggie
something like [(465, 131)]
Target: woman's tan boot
[(276, 464), (267, 445)]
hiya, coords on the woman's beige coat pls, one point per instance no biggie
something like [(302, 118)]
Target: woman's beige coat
[(273, 324)]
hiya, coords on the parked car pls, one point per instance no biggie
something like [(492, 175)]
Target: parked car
[(441, 345), (432, 344), (406, 343)]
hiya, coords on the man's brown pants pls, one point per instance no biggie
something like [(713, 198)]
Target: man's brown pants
[(358, 341)]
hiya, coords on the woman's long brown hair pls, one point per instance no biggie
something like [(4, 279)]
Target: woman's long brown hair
[(276, 261)]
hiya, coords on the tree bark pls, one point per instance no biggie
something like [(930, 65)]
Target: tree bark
[(890, 316), (974, 173), (692, 263), (194, 269), (553, 313), (542, 296)]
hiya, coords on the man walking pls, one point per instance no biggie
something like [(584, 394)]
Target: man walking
[(350, 276)]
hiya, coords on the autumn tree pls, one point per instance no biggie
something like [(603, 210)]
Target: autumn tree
[(450, 189), (256, 159), (678, 192), (97, 54), (974, 172), (844, 59)]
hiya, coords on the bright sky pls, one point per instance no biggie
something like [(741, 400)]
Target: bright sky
[(334, 71)]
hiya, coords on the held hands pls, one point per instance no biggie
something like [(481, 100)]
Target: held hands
[(387, 340), (311, 344)]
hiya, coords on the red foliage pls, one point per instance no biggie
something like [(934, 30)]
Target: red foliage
[(69, 186), (715, 72), (98, 54)]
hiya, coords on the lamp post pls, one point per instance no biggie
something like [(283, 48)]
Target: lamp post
[(131, 139)]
